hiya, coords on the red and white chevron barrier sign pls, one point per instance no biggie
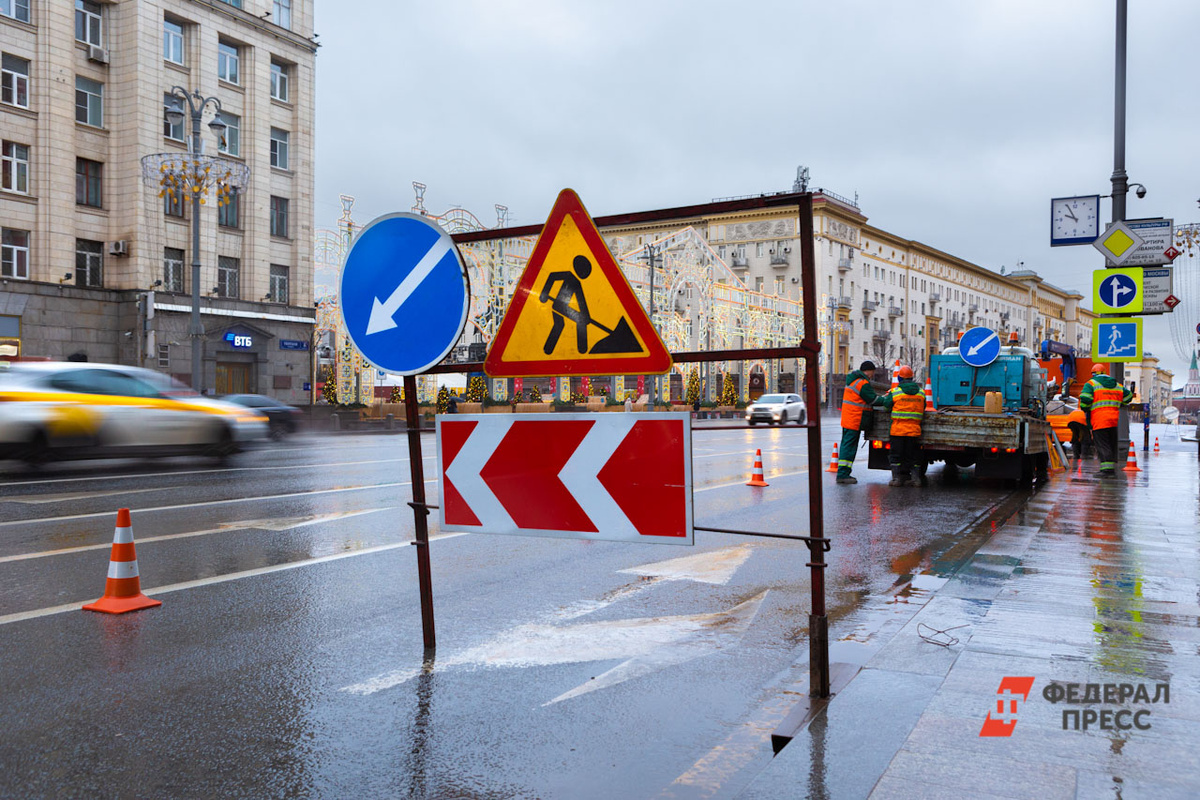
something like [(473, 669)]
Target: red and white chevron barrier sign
[(616, 476)]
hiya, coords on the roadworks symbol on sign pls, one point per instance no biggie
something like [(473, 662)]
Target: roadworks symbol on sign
[(573, 312)]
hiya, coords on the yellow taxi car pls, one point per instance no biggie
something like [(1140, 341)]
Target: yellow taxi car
[(67, 410)]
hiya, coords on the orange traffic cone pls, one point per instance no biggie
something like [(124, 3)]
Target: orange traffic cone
[(123, 589), (757, 478), (1155, 445), (929, 395), (1131, 462), (833, 465)]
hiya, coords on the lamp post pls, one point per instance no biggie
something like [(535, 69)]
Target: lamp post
[(193, 174), (196, 105)]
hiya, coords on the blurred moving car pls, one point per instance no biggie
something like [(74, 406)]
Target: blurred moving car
[(282, 418), (53, 410), (777, 409)]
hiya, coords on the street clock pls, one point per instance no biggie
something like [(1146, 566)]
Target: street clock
[(1074, 220)]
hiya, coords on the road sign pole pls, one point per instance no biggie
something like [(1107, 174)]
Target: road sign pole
[(818, 622), (1120, 181), (412, 415)]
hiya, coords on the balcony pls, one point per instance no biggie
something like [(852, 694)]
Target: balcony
[(845, 302), (843, 339), (779, 258), (881, 336), (844, 264), (935, 297), (869, 306), (895, 311), (973, 308), (833, 302), (738, 262)]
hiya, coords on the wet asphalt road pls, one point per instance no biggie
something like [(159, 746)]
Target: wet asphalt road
[(286, 659)]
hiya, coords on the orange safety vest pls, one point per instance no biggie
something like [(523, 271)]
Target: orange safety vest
[(907, 412), (1106, 406), (853, 405)]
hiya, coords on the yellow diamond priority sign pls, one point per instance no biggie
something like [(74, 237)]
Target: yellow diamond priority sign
[(1118, 242)]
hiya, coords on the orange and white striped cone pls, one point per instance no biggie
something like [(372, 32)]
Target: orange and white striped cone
[(1131, 462), (929, 396), (757, 478), (123, 589), (1155, 445), (833, 459)]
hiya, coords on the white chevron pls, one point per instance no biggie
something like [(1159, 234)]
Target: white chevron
[(465, 471), (580, 471)]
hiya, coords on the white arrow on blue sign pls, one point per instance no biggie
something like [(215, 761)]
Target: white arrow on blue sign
[(404, 293), (1118, 291), (979, 346)]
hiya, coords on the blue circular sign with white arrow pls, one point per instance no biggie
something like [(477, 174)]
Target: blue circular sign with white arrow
[(1118, 290), (404, 293), (979, 346)]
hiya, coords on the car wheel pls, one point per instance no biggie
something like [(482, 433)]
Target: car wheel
[(803, 418), (37, 451), (276, 432), (752, 423), (224, 446)]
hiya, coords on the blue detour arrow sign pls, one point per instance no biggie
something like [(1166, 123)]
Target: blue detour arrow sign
[(404, 293), (979, 346)]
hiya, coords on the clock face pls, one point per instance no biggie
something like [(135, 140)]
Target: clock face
[(1074, 220)]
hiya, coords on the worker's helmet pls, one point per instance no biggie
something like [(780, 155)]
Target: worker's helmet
[(1098, 369), (905, 371)]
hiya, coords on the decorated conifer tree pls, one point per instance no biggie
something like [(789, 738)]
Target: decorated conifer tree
[(728, 394), (443, 400), (329, 390), (395, 398), (693, 388), (476, 389)]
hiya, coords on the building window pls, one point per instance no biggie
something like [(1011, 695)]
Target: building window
[(172, 42), (17, 9), (173, 203), (279, 81), (229, 271), (89, 263), (228, 59), (234, 3), (87, 22), (164, 356), (231, 142), (283, 14), (279, 284), (16, 167), (173, 270), (228, 212), (89, 102), (279, 216), (14, 253), (14, 81), (88, 182), (279, 148), (172, 130)]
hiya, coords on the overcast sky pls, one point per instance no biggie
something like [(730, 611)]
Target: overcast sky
[(955, 122)]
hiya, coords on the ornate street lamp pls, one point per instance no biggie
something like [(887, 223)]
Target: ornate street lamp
[(180, 176)]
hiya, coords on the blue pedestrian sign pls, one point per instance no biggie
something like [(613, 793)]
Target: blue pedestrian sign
[(979, 346), (404, 293), (1117, 339)]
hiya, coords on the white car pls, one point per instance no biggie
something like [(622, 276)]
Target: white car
[(70, 410), (777, 409)]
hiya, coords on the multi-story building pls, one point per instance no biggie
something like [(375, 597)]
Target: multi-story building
[(95, 263), (1151, 384), (728, 277)]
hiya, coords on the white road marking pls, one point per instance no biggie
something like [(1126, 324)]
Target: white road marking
[(250, 524), (218, 502), (135, 475), (649, 644), (231, 576), (41, 499), (715, 567)]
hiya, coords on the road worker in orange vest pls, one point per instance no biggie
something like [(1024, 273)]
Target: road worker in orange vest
[(907, 404), (857, 397), (1101, 399)]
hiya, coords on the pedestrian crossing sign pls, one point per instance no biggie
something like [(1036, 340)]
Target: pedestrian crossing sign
[(573, 311), (1117, 339)]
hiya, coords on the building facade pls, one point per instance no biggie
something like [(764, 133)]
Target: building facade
[(727, 276), (95, 262)]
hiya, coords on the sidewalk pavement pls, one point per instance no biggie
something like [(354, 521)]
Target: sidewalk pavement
[(1092, 582)]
